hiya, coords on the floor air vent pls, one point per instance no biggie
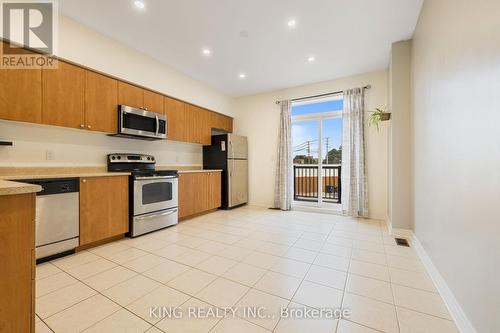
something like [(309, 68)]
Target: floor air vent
[(402, 242)]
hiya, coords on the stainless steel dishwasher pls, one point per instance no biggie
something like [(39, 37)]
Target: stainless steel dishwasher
[(57, 217)]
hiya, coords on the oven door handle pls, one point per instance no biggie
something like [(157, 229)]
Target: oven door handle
[(154, 177), (154, 215)]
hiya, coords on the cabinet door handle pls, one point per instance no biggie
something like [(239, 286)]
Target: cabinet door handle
[(82, 126), (84, 180), (89, 127)]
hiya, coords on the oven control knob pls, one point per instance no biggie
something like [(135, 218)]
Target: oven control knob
[(113, 158), (119, 157)]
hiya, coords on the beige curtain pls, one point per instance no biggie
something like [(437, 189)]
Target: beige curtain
[(354, 182), (283, 181)]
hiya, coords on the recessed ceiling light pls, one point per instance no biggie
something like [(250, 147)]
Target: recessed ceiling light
[(242, 75), (139, 4), (291, 23), (311, 59), (206, 52)]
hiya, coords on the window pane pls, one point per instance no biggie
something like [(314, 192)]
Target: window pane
[(328, 106), (332, 141), (331, 158)]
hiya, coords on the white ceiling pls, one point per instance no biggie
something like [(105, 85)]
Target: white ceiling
[(346, 36)]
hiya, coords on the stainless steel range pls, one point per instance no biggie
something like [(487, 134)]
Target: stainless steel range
[(153, 194)]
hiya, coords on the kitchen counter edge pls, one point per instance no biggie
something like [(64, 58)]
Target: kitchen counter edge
[(198, 171), (12, 188)]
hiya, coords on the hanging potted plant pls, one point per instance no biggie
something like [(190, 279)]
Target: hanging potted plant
[(380, 114)]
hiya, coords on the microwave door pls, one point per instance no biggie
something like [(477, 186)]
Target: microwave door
[(142, 123)]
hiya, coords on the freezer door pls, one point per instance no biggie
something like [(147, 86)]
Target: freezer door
[(237, 146), (237, 182)]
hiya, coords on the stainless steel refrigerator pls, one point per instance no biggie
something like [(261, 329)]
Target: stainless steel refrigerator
[(230, 153)]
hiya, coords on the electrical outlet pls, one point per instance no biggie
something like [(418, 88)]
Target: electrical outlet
[(49, 155)]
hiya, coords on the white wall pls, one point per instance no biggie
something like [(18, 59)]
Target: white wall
[(73, 147), (258, 118), (400, 164), (456, 70)]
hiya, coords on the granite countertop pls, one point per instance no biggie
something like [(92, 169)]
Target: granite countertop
[(11, 188)]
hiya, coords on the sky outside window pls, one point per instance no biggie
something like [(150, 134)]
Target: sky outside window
[(305, 133)]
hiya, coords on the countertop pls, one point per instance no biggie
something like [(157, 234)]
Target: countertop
[(24, 173), (64, 175), (11, 188), (198, 171)]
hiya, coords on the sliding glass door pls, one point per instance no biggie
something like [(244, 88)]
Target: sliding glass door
[(306, 150), (317, 151)]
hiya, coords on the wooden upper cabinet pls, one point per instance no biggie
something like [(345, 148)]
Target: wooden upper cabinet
[(103, 208), (63, 96), (215, 120), (221, 122), (101, 103), (130, 95), (227, 124), (21, 95), (193, 124), (214, 190), (153, 102), (176, 119), (198, 125), (205, 127)]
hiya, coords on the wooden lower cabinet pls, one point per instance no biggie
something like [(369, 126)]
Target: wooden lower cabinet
[(214, 190), (17, 263), (199, 192), (103, 208)]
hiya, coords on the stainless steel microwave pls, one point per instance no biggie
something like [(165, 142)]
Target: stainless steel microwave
[(141, 124)]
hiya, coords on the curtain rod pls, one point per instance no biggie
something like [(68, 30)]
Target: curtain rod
[(321, 95)]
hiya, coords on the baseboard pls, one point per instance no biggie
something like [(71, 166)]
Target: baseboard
[(463, 323)]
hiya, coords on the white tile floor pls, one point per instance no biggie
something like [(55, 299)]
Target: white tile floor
[(248, 257)]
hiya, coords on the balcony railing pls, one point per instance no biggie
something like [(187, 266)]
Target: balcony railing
[(306, 183)]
